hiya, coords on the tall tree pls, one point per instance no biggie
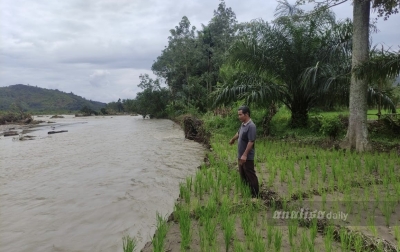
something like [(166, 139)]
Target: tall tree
[(357, 133), (176, 61), (219, 35), (153, 99), (190, 63)]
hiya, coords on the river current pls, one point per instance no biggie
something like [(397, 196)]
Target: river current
[(84, 189)]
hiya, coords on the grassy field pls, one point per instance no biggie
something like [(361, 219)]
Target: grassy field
[(371, 114)]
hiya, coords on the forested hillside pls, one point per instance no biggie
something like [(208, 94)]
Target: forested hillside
[(36, 99)]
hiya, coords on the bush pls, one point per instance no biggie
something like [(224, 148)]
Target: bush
[(229, 125), (315, 123), (392, 123), (331, 126), (15, 118), (103, 111), (178, 108)]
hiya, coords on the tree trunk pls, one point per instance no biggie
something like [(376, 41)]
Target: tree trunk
[(357, 132), (380, 100), (299, 110), (299, 117), (267, 119)]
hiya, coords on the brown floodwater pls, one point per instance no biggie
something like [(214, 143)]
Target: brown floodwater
[(85, 189)]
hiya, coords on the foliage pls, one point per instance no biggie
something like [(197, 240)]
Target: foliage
[(315, 123), (384, 8), (381, 65), (357, 136), (381, 70), (153, 99), (129, 244), (214, 123), (281, 62), (380, 97), (115, 107), (15, 118), (88, 111), (392, 123), (190, 63), (332, 126), (396, 95), (103, 111)]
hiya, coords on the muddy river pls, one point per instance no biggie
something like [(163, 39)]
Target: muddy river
[(84, 189)]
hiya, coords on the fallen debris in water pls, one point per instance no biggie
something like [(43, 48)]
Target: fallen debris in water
[(10, 133), (21, 137), (54, 132), (56, 116)]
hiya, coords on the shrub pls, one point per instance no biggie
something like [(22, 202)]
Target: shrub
[(331, 126), (15, 118), (315, 123), (392, 123)]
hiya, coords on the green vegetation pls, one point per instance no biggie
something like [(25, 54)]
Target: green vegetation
[(299, 60), (15, 118), (159, 237), (40, 100), (215, 211), (295, 73), (128, 244)]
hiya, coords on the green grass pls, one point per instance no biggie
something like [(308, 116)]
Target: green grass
[(128, 244), (159, 237), (371, 113)]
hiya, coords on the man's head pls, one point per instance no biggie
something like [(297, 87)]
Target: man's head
[(244, 113)]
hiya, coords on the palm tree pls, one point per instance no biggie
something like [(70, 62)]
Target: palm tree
[(271, 61), (300, 61)]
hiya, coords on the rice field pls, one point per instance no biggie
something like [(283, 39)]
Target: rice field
[(310, 200)]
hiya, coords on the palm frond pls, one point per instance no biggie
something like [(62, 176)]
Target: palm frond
[(375, 97), (382, 65), (253, 88), (284, 8)]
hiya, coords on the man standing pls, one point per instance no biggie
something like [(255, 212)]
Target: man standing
[(246, 135)]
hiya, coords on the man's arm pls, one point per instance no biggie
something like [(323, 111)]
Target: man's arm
[(234, 138), (243, 158), (248, 148)]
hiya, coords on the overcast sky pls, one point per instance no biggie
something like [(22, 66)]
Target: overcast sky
[(98, 48)]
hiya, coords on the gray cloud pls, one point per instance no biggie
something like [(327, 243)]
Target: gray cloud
[(98, 48), (99, 78)]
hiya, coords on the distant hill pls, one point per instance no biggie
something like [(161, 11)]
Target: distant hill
[(36, 99)]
